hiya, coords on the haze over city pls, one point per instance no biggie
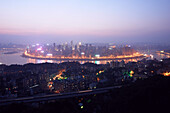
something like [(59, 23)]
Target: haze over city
[(105, 21), (84, 56)]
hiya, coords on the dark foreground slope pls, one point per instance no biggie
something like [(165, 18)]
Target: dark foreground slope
[(144, 96)]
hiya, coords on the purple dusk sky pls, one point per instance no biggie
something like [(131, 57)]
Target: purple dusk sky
[(46, 21)]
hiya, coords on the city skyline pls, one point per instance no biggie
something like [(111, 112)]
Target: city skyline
[(87, 21), (84, 56)]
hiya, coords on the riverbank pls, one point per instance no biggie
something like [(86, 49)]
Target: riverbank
[(82, 59)]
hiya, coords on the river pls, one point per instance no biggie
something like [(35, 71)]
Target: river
[(16, 58)]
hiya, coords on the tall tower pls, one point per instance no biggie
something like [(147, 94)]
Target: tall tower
[(54, 45), (71, 43)]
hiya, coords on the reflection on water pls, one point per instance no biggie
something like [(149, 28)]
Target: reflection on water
[(17, 59), (29, 60), (162, 56), (12, 59), (154, 53)]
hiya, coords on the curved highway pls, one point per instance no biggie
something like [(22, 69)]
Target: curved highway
[(135, 56)]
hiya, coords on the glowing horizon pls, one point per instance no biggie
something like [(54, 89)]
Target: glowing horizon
[(97, 18)]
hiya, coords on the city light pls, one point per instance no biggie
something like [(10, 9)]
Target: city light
[(58, 76), (82, 53), (79, 43), (84, 56), (42, 51), (98, 79), (151, 56), (88, 58), (166, 74), (97, 55), (49, 54), (131, 73), (39, 49)]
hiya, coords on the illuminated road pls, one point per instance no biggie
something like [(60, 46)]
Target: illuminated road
[(56, 96), (134, 56)]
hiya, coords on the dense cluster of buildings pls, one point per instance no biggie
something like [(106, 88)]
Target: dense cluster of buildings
[(78, 50), (35, 79)]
